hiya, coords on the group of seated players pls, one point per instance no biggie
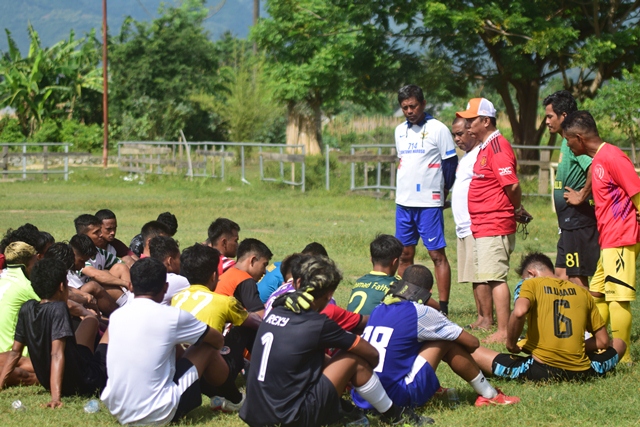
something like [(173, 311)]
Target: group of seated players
[(150, 328)]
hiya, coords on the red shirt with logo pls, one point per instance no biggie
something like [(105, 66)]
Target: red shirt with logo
[(615, 181), (491, 211)]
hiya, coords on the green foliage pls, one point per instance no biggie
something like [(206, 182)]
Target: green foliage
[(83, 137), (619, 101), (10, 130), (48, 82), (156, 68)]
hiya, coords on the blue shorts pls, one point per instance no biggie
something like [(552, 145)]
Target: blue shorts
[(415, 389), (425, 223)]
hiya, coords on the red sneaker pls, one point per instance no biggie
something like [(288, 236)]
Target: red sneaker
[(500, 399)]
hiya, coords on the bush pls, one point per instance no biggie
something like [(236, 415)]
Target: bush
[(10, 130), (83, 137)]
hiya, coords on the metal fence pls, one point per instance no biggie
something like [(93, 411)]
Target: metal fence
[(205, 159), (24, 153)]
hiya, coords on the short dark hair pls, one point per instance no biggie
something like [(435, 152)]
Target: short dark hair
[(536, 260), (418, 275), (198, 263), (46, 277), (384, 249), (580, 120), (318, 274), (27, 233), (103, 214), (63, 252), (221, 227), (286, 266), (148, 276), (47, 238), (170, 220), (410, 91), (315, 248), (153, 229), (457, 119), (253, 246), (84, 221), (161, 247), (561, 102), (83, 244)]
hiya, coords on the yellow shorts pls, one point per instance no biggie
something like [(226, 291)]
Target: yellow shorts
[(615, 275)]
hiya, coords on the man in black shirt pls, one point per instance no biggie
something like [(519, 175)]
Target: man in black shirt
[(64, 362), (289, 382)]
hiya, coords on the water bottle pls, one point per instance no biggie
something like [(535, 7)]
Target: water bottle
[(92, 406), (452, 396), (18, 406)]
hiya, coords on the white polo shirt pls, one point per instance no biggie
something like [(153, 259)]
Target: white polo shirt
[(460, 193), (421, 149)]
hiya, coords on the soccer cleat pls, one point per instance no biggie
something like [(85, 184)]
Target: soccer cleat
[(219, 403), (408, 417), (500, 399)]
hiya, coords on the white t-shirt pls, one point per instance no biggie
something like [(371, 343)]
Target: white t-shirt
[(460, 193), (103, 260), (177, 283), (421, 150), (76, 279), (141, 360)]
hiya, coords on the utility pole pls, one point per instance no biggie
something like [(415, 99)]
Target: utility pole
[(105, 88)]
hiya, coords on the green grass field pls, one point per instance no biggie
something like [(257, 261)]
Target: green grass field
[(286, 220)]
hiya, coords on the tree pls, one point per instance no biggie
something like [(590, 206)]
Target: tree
[(48, 82), (516, 47), (157, 67), (322, 52), (619, 101)]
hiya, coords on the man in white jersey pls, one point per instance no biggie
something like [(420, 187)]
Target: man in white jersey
[(460, 210), (425, 175)]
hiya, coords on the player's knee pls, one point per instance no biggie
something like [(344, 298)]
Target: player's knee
[(438, 257), (119, 269), (619, 346)]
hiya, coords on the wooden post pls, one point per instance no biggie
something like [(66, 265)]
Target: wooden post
[(543, 172), (45, 150)]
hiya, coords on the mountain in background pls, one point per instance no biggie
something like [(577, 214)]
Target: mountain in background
[(53, 19)]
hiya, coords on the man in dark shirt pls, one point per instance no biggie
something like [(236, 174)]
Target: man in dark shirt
[(64, 362), (290, 384)]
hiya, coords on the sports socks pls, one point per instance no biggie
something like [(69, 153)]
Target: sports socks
[(373, 392), (444, 307), (482, 386), (603, 308), (620, 312)]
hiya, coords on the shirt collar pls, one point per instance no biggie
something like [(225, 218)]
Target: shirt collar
[(425, 118), (491, 137)]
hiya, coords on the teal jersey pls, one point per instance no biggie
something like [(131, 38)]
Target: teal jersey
[(368, 292), (572, 173)]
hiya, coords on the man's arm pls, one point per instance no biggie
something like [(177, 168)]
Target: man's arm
[(214, 338), (11, 363), (364, 319), (575, 198), (516, 324), (253, 320), (599, 341), (104, 277), (468, 341), (449, 167), (514, 193), (366, 351), (57, 371)]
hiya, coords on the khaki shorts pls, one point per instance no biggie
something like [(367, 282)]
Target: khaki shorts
[(615, 275), (492, 257), (466, 260)]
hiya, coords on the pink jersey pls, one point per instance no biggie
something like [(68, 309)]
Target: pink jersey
[(614, 182), (491, 211)]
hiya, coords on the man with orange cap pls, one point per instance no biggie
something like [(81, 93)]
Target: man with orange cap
[(494, 206)]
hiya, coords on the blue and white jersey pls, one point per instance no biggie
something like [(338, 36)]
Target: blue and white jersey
[(398, 331), (421, 149)]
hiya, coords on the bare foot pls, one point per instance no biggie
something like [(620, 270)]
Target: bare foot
[(479, 325), (497, 337)]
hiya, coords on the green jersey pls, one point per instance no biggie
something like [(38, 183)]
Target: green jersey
[(572, 173), (15, 290), (368, 292)]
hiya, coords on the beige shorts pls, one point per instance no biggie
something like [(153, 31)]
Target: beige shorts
[(466, 260), (492, 258)]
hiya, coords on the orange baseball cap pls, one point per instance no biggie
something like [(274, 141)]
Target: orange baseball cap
[(478, 107)]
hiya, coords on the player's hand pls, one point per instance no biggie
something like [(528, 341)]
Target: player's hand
[(572, 197), (522, 216), (295, 301), (513, 348), (447, 204), (54, 404)]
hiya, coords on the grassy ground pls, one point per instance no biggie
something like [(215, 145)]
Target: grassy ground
[(286, 220)]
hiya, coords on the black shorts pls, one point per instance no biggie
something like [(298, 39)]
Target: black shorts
[(191, 397), (578, 251), (320, 407), (527, 368), (94, 368)]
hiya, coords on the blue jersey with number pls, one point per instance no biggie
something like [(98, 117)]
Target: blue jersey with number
[(398, 331), (271, 281)]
